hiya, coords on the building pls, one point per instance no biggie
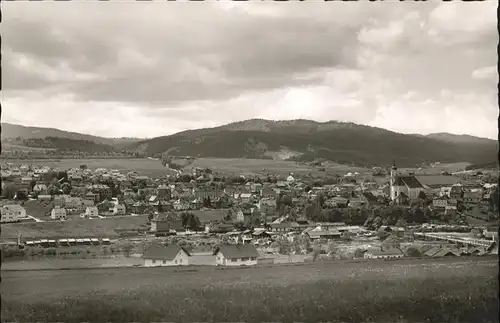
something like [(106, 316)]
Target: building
[(236, 255), (407, 185), (119, 209), (58, 213), (40, 189), (384, 254), (91, 211), (456, 192), (158, 255), (12, 213), (440, 202), (166, 222), (473, 197), (207, 191)]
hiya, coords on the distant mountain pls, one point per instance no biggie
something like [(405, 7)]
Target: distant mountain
[(12, 131), (307, 140), (444, 136)]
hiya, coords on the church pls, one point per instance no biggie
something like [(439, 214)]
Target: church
[(404, 186)]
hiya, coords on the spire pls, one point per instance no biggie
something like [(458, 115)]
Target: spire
[(394, 164)]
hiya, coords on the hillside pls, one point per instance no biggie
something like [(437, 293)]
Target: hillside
[(307, 140), (13, 131), (66, 144), (448, 137)]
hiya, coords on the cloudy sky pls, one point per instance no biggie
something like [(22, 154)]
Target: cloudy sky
[(150, 69)]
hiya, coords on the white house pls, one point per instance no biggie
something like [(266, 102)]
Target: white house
[(236, 255), (58, 213), (91, 211), (119, 209), (383, 254), (12, 213), (159, 256)]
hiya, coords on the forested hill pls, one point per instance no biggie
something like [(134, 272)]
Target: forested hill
[(306, 140)]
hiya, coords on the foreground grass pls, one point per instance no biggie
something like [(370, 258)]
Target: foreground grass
[(454, 299)]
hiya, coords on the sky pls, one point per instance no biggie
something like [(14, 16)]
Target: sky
[(146, 69)]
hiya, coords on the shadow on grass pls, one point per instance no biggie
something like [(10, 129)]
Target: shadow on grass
[(456, 299)]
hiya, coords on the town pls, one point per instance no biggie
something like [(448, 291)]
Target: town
[(106, 217)]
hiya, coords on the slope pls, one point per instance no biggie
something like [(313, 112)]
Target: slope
[(12, 131), (336, 141)]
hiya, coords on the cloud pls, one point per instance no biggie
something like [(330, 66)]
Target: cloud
[(175, 66)]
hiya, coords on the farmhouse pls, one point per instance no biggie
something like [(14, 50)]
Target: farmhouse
[(12, 213), (91, 211), (236, 255), (58, 213), (172, 255), (119, 209)]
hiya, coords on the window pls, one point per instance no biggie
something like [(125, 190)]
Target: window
[(176, 262), (253, 258), (233, 260), (180, 260), (154, 261), (244, 259), (164, 262)]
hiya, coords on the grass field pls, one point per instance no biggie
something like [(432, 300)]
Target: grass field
[(447, 290), (264, 166), (72, 228)]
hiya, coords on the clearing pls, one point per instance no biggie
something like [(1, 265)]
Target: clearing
[(85, 228), (268, 166), (418, 290)]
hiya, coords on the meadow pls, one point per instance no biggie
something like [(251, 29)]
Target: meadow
[(84, 228), (445, 290), (268, 166)]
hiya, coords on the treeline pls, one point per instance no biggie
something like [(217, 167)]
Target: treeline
[(65, 144)]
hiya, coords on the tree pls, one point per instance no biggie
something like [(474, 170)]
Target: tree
[(190, 221), (32, 184), (494, 196), (332, 248), (413, 252), (207, 203), (286, 200), (359, 253), (66, 188), (228, 216), (316, 253), (127, 248), (9, 190)]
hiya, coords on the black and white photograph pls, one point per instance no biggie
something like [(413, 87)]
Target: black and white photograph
[(249, 161)]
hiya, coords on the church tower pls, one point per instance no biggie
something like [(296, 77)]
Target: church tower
[(393, 180)]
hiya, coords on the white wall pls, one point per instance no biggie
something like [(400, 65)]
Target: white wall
[(12, 215), (221, 260), (182, 259)]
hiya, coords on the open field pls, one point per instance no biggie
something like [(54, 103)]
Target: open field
[(265, 166), (143, 166), (447, 290), (6, 146), (85, 228)]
